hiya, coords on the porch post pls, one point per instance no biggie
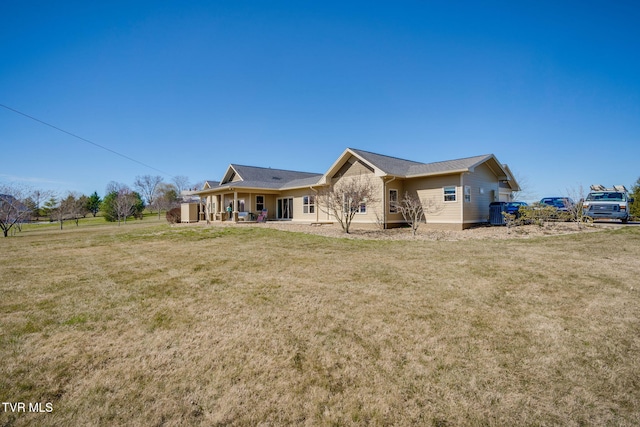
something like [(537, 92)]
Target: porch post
[(235, 206)]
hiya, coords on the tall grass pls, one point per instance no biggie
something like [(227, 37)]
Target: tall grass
[(153, 325)]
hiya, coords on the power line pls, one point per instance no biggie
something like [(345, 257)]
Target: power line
[(86, 140)]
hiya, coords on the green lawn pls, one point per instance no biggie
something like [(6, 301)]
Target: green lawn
[(147, 324)]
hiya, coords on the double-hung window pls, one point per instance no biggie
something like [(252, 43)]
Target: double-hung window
[(309, 204), (450, 193)]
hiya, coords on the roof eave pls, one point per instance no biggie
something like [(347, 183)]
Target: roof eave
[(447, 172)]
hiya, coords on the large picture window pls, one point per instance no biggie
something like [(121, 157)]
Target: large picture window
[(450, 194)]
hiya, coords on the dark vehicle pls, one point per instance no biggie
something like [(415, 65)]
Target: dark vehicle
[(563, 204), (513, 208)]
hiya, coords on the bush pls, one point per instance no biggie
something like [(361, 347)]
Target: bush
[(173, 216), (539, 214)]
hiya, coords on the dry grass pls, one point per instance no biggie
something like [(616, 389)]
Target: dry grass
[(152, 325)]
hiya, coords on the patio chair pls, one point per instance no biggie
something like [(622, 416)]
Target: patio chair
[(263, 216)]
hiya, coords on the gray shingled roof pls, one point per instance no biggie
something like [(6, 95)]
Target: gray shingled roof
[(278, 179), (388, 164), (408, 168), (448, 165), (259, 177)]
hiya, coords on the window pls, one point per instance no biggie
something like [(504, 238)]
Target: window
[(467, 193), (350, 206), (393, 201), (450, 194), (259, 203), (309, 204)]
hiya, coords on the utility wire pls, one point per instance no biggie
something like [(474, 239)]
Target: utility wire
[(86, 140)]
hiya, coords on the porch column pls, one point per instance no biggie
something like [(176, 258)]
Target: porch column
[(235, 206)]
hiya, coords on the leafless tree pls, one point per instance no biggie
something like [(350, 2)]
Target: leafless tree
[(206, 209), (124, 202), (346, 198), (60, 210), (181, 182), (147, 185), (414, 210), (166, 197), (13, 207), (524, 193), (75, 207), (574, 210)]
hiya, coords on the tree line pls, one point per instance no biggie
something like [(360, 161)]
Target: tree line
[(20, 204)]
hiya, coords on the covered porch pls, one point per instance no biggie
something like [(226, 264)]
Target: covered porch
[(237, 204)]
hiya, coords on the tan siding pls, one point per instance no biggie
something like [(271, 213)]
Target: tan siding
[(298, 205), (430, 190), (483, 185), (189, 212), (396, 184), (375, 211)]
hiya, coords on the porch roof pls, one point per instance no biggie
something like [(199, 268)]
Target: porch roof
[(260, 178)]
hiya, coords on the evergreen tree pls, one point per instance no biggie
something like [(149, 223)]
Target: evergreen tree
[(635, 193), (93, 203), (108, 208)]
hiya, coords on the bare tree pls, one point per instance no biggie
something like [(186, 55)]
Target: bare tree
[(574, 210), (60, 210), (181, 182), (524, 193), (414, 210), (124, 202), (206, 209), (75, 207), (166, 197), (346, 198), (119, 202), (147, 185), (13, 207)]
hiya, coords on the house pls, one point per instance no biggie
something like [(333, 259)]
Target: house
[(459, 190)]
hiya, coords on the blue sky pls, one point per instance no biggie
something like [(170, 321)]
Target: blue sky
[(551, 88)]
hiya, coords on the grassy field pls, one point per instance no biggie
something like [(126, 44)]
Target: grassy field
[(147, 324)]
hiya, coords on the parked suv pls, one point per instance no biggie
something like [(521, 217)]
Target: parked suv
[(513, 208), (563, 204), (607, 203)]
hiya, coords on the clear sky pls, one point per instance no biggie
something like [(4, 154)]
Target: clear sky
[(551, 88)]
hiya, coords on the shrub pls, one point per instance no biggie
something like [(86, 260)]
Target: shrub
[(173, 216), (538, 214)]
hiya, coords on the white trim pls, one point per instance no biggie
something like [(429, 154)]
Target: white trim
[(455, 194)]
